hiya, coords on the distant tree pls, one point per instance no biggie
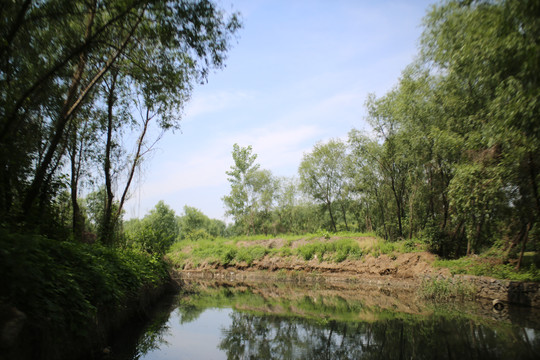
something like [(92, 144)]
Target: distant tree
[(242, 176), (195, 221), (156, 232), (322, 174)]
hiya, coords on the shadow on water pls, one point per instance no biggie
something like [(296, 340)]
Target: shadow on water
[(316, 322), (143, 334)]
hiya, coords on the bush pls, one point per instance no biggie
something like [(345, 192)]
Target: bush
[(64, 288), (480, 266), (199, 234), (227, 256), (251, 253)]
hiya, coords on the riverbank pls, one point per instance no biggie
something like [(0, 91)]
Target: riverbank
[(64, 300), (374, 299), (349, 258)]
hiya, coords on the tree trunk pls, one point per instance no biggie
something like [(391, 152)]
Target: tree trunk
[(11, 117), (77, 219), (398, 204), (379, 201), (533, 174), (344, 216), (107, 223), (523, 244), (329, 206), (411, 211), (15, 27), (61, 122), (136, 160), (67, 112)]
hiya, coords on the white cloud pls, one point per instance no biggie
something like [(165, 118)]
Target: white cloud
[(205, 103), (278, 146)]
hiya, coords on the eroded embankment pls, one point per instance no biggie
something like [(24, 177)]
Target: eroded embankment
[(408, 272), (357, 299)]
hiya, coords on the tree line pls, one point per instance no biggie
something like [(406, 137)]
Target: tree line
[(86, 89), (452, 155)]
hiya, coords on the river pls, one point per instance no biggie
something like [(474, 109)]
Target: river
[(219, 320)]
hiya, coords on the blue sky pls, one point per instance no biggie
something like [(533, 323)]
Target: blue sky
[(299, 73)]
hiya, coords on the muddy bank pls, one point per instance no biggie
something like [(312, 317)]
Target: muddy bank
[(405, 272)]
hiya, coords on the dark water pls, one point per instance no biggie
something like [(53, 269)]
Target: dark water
[(213, 321)]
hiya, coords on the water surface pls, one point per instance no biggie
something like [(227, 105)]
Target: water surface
[(213, 321)]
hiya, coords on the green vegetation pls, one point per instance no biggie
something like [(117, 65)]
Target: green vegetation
[(83, 87), (246, 249), (337, 251), (441, 290), (70, 292), (452, 157), (486, 266)]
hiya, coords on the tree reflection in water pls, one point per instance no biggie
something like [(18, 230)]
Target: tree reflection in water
[(276, 322), (255, 336)]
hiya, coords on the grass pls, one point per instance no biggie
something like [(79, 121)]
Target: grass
[(492, 267), (336, 251), (446, 290), (320, 246), (337, 248)]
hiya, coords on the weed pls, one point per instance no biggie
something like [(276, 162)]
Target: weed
[(446, 289), (251, 253), (483, 266), (285, 251)]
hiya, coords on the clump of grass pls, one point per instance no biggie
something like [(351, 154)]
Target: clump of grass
[(250, 254), (337, 251), (380, 246), (446, 289)]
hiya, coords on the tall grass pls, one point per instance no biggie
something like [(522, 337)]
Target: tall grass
[(446, 289), (337, 251)]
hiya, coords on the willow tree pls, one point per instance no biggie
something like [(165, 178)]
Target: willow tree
[(322, 174), (58, 56), (489, 55)]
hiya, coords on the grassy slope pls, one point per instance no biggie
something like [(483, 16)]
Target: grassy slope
[(335, 248), (70, 292)]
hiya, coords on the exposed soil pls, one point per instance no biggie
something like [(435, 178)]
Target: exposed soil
[(397, 272), (401, 266)]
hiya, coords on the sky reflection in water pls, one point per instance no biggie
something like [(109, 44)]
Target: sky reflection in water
[(225, 323)]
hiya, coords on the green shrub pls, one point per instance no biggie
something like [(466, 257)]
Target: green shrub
[(227, 256), (338, 250), (285, 251), (199, 234), (251, 253), (63, 287), (409, 246), (386, 247), (480, 266)]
